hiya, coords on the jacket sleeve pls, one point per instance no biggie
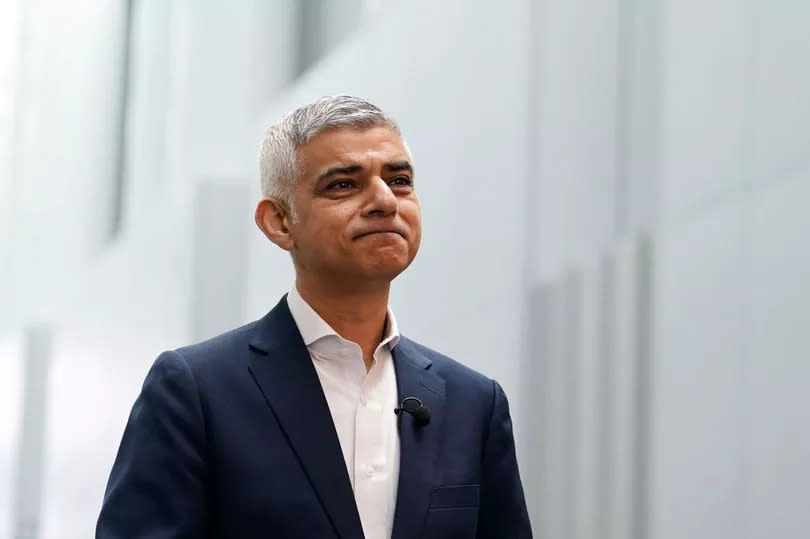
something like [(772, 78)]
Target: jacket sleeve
[(502, 512), (157, 484)]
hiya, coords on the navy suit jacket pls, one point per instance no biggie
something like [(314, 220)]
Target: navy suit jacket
[(233, 438)]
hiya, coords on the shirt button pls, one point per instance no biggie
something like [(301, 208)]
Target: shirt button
[(363, 398), (369, 470)]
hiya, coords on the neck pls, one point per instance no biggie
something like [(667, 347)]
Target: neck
[(357, 314)]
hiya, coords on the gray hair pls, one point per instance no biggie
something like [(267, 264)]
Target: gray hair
[(279, 161)]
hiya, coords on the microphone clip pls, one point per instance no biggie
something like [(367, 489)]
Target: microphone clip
[(414, 406)]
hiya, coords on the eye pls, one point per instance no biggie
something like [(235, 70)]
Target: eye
[(340, 185), (401, 181)]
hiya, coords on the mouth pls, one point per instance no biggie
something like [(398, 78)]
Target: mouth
[(378, 232)]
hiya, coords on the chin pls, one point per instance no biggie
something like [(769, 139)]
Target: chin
[(384, 269)]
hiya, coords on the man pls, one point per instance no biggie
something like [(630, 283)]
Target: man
[(286, 427)]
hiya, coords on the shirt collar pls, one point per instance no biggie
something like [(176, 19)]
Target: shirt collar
[(314, 328)]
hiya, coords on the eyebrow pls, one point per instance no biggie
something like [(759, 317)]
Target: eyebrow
[(396, 166), (341, 169), (399, 166)]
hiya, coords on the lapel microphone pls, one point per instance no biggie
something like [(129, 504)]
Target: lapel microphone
[(413, 406)]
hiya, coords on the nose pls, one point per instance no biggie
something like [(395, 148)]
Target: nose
[(381, 201)]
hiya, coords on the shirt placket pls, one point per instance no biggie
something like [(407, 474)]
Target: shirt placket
[(370, 460)]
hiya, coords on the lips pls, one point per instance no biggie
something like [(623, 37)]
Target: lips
[(379, 231)]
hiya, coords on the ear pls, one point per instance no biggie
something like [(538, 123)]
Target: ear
[(273, 218)]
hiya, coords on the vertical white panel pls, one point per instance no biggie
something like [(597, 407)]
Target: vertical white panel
[(644, 360), (11, 401), (624, 379), (90, 392), (544, 339), (781, 97), (70, 92), (570, 384), (697, 432), (586, 448), (536, 385), (65, 145), (235, 58), (606, 394), (222, 212), (147, 137), (778, 363), (10, 43), (638, 116), (323, 25), (703, 81), (31, 447), (553, 398), (574, 166)]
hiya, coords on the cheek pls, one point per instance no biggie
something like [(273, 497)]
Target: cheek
[(415, 243), (326, 237), (411, 214)]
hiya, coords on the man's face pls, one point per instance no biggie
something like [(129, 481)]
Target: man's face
[(357, 213)]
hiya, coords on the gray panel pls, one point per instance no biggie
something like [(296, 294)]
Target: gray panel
[(703, 103), (571, 359), (67, 89), (622, 422), (781, 100), (698, 422), (586, 448), (148, 137), (638, 114), (576, 117), (778, 363), (118, 188), (606, 392), (535, 473), (643, 359), (31, 450), (220, 257), (553, 504), (323, 24)]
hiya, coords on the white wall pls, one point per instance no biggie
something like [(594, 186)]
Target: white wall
[(64, 147), (730, 458), (613, 200)]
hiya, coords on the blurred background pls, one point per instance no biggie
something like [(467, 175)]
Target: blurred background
[(615, 200)]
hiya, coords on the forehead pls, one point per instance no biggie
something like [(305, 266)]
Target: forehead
[(351, 145)]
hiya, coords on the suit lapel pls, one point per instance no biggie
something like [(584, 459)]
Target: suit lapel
[(419, 446), (286, 377)]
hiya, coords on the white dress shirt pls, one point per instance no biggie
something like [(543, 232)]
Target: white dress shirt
[(362, 407)]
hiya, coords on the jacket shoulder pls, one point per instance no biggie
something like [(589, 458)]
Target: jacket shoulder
[(452, 370), (218, 351)]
